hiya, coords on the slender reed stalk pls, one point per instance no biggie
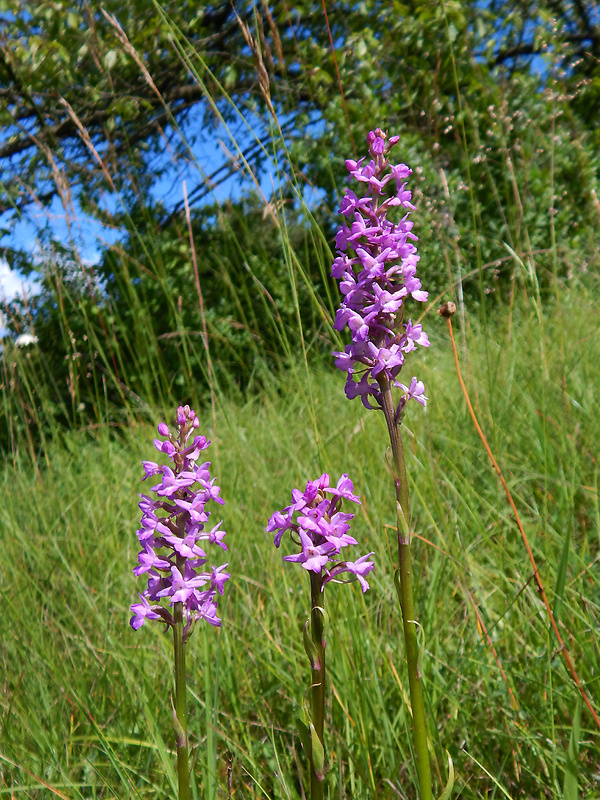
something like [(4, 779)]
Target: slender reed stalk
[(447, 312), (209, 369)]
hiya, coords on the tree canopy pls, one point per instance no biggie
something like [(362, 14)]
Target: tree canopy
[(92, 94)]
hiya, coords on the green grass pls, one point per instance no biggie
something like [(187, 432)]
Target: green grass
[(84, 703)]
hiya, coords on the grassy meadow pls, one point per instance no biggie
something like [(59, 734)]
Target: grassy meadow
[(84, 706), (229, 307)]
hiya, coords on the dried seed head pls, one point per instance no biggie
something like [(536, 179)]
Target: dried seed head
[(448, 309)]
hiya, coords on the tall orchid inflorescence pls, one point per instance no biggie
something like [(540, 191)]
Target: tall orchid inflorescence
[(173, 526), (173, 533), (318, 526), (376, 266)]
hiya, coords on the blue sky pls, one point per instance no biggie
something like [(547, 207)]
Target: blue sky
[(209, 153)]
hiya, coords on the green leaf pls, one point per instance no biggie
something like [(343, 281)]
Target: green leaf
[(304, 735), (317, 753), (571, 784), (309, 645), (452, 32), (447, 793), (312, 746), (398, 586), (110, 59), (561, 578)]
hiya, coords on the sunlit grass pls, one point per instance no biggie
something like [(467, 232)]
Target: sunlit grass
[(85, 703)]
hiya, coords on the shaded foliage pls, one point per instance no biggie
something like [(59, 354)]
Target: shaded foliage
[(143, 326)]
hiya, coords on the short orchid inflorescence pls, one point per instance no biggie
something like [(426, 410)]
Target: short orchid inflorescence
[(317, 525), (376, 266), (173, 526)]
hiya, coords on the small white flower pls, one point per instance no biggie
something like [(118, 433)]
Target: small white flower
[(26, 338)]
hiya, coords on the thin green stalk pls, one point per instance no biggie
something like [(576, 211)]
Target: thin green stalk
[(180, 712), (317, 666), (209, 699), (405, 593)]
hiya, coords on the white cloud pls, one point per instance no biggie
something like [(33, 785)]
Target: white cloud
[(12, 283)]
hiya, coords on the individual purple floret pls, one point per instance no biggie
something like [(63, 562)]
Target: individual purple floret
[(376, 265), (174, 530), (320, 529)]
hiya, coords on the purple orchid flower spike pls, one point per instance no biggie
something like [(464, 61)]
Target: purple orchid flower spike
[(173, 525), (376, 266), (322, 529), (319, 528), (182, 587)]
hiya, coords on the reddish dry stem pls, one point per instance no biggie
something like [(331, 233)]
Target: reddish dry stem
[(477, 613), (538, 580)]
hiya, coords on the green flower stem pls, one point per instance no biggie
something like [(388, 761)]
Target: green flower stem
[(211, 753), (317, 666), (180, 711), (405, 593)]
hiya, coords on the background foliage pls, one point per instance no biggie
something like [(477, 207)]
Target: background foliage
[(494, 105)]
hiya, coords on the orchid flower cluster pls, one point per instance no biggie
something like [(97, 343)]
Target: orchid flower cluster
[(321, 530), (172, 528), (376, 266)]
